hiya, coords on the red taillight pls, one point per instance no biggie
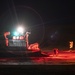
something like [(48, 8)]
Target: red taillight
[(21, 37)]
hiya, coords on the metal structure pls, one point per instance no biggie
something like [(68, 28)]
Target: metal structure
[(21, 42)]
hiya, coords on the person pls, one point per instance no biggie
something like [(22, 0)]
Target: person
[(71, 45)]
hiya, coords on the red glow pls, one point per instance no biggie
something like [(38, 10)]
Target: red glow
[(34, 47), (6, 42), (21, 37), (5, 34), (6, 39), (17, 37), (62, 58)]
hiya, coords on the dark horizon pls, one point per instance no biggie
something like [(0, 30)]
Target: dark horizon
[(49, 21)]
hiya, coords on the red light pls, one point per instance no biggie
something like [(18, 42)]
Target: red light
[(17, 37), (21, 37), (34, 47), (7, 42)]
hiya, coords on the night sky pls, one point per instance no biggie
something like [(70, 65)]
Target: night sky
[(51, 22)]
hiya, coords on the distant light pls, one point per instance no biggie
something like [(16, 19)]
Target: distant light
[(52, 36), (20, 30)]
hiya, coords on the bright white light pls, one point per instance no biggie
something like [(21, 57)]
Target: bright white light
[(17, 37), (20, 30), (14, 37)]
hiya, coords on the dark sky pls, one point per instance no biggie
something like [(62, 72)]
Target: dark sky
[(50, 21)]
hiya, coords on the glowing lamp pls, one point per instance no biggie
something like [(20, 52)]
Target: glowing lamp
[(14, 37), (20, 30)]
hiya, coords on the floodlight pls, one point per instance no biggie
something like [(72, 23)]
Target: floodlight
[(20, 30)]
